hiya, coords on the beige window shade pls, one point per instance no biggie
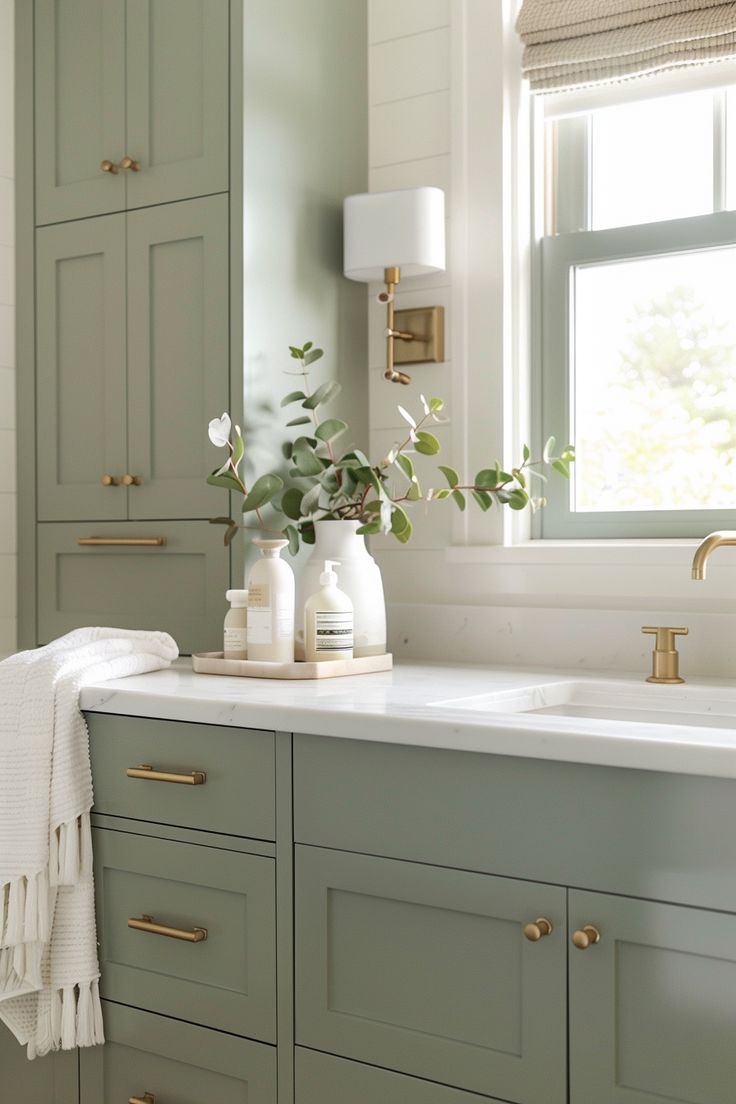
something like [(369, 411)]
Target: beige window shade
[(573, 43)]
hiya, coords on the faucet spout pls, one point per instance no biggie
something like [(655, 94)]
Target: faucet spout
[(708, 545)]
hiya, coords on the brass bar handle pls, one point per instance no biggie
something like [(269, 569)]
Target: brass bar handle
[(537, 930), (125, 542), (146, 772), (148, 924), (147, 1098)]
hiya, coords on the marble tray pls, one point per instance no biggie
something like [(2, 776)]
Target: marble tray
[(213, 663)]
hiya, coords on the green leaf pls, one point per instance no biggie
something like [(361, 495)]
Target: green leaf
[(548, 450), (562, 467), (459, 498), (307, 346), (354, 459), (486, 477), (291, 503), (323, 394), (406, 466), (306, 530), (310, 502), (518, 499), (304, 458), (262, 492), (226, 480), (230, 533), (526, 453), (427, 443), (329, 430), (443, 492), (435, 405), (519, 476), (415, 491), (484, 500), (368, 477), (303, 420), (293, 396), (238, 449), (401, 526), (370, 527), (450, 475), (286, 450), (310, 354), (292, 535)]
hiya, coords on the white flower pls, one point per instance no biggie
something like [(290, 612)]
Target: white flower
[(407, 416), (385, 515), (225, 467), (219, 430), (425, 404)]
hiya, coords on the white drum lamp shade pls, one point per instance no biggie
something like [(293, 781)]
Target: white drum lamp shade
[(401, 229)]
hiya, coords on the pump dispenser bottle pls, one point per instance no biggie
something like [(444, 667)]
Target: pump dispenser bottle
[(271, 605), (328, 620)]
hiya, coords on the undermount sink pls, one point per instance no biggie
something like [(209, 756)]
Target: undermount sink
[(614, 700)]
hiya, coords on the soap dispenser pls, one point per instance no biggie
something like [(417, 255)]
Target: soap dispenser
[(328, 620)]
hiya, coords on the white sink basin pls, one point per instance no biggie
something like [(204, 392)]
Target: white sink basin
[(611, 700)]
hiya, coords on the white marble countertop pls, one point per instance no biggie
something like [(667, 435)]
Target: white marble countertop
[(396, 707)]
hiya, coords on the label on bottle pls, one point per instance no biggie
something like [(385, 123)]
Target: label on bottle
[(235, 640), (333, 630), (284, 618), (260, 619)]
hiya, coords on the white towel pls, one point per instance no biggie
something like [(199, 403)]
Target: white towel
[(49, 973)]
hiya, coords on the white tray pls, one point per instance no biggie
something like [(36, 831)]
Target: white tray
[(213, 663)]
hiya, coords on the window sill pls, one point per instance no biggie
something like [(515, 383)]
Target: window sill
[(595, 553)]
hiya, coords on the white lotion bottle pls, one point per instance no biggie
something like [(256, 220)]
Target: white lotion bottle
[(271, 605), (235, 638), (328, 620)]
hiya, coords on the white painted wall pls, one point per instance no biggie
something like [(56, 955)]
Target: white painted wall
[(8, 559)]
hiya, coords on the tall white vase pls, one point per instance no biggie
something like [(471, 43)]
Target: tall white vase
[(358, 576)]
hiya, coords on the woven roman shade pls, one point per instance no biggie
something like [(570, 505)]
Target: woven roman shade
[(573, 43)]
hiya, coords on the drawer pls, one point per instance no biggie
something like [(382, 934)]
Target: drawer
[(49, 1080), (178, 586), (228, 979), (173, 1062), (426, 971), (237, 797), (323, 1079)]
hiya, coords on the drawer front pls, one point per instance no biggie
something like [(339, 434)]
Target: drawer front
[(178, 586), (236, 798), (426, 971), (49, 1080), (323, 1079), (226, 981), (173, 1062)]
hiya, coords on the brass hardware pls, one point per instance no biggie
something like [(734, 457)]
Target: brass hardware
[(147, 1098), (129, 480), (148, 924), (665, 659), (109, 167), (586, 937), (708, 545), (194, 778), (127, 542), (420, 341), (536, 931), (109, 481), (130, 163)]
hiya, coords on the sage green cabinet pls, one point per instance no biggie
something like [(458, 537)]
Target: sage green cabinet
[(53, 1079), (133, 345), (653, 1004), (426, 971), (227, 980), (174, 1062), (145, 79)]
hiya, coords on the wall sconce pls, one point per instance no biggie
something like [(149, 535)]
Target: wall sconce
[(393, 234)]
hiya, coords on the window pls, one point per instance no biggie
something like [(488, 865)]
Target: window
[(637, 290)]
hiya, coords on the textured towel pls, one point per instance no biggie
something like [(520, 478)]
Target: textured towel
[(49, 973)]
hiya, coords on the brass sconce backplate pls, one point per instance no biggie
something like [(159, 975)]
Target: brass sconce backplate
[(428, 345)]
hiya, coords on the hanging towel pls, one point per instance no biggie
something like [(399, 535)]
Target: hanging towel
[(49, 996)]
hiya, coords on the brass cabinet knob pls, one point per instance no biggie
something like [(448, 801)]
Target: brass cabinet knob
[(586, 937), (109, 481), (129, 480), (109, 167), (130, 163), (536, 931)]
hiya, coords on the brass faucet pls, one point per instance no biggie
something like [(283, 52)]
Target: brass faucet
[(708, 545)]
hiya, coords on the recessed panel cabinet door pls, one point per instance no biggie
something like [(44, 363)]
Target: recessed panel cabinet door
[(177, 355), (652, 1004), (80, 107), (81, 369), (426, 971), (49, 1080), (178, 118)]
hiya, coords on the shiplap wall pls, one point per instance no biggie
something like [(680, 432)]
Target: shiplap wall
[(410, 145), (7, 338)]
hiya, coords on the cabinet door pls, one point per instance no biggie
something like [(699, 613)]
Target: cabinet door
[(174, 1062), (79, 78), (426, 971), (178, 78), (81, 369), (177, 355), (49, 1080), (653, 1004)]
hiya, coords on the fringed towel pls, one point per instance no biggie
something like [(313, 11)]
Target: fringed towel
[(49, 973)]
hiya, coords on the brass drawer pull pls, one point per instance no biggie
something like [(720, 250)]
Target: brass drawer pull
[(129, 480), (147, 1098), (130, 163), (127, 542), (108, 166), (143, 770), (586, 937), (536, 931), (109, 481), (148, 924)]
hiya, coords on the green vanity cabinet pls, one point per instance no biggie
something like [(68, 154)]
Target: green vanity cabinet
[(50, 1080), (144, 79), (652, 1004), (426, 971)]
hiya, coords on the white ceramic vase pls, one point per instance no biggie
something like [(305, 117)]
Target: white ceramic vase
[(358, 576)]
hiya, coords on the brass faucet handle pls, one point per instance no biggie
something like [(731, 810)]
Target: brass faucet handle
[(665, 659)]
